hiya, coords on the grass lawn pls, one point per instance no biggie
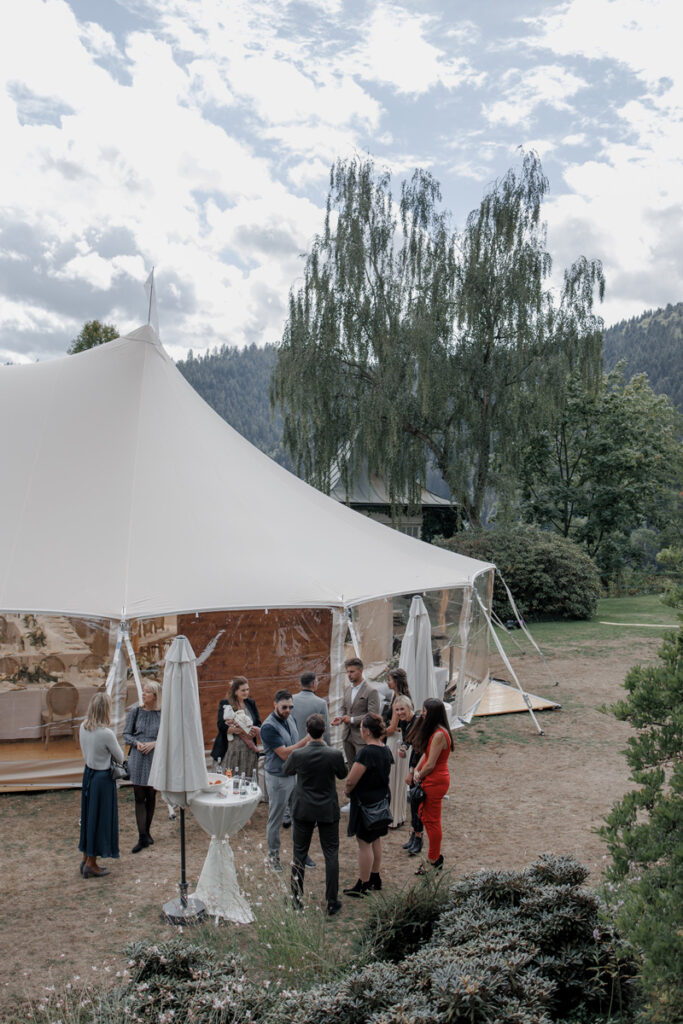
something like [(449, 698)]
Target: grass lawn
[(646, 612)]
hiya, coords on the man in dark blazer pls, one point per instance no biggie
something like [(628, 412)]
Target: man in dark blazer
[(314, 802), (360, 698)]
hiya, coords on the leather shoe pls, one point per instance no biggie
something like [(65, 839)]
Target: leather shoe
[(82, 866), (150, 841), (333, 908), (406, 846), (309, 862), (89, 873)]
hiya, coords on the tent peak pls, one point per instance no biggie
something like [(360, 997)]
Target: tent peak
[(144, 333)]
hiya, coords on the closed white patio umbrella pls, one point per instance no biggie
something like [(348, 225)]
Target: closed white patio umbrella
[(416, 654), (179, 769)]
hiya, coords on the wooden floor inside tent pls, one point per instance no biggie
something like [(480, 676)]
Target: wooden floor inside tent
[(503, 698), (28, 765)]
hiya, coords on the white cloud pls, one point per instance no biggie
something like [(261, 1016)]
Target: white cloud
[(626, 193), (395, 51), (525, 91)]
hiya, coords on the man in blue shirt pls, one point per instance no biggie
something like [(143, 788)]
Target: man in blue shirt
[(279, 737)]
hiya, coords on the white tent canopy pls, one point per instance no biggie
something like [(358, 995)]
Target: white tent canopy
[(126, 496)]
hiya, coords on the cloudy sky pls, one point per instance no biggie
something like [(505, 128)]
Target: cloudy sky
[(197, 136)]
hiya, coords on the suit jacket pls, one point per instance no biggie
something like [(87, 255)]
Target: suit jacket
[(220, 744), (367, 700), (306, 703), (316, 767)]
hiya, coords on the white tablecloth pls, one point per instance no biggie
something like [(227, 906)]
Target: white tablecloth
[(222, 813)]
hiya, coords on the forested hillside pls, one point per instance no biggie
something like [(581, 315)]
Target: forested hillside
[(651, 344), (236, 384)]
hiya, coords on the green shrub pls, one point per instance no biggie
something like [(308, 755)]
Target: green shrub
[(524, 947), (549, 576)]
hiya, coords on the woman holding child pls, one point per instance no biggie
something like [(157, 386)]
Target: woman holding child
[(238, 729)]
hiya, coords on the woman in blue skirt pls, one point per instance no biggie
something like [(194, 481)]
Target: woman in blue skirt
[(99, 810)]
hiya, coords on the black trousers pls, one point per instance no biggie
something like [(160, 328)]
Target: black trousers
[(302, 833)]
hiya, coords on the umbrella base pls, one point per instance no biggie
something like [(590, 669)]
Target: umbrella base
[(192, 912)]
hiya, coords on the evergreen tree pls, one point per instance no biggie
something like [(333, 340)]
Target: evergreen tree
[(91, 334), (407, 343), (644, 831), (651, 343)]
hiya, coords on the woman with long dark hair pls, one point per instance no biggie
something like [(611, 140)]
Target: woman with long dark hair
[(141, 731), (238, 729), (368, 786), (99, 809), (398, 684), (431, 738)]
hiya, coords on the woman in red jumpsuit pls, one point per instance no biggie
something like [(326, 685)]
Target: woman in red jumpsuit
[(431, 736)]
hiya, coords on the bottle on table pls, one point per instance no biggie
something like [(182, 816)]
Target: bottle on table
[(235, 780)]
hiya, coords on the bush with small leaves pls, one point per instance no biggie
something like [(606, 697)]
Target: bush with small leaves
[(550, 576)]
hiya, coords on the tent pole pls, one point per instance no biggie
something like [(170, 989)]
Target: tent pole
[(506, 660), (522, 626), (354, 633), (465, 617), (133, 664)]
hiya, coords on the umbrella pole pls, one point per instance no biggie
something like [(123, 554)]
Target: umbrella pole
[(186, 909), (183, 879)]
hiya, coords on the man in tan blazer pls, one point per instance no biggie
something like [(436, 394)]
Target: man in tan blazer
[(360, 697)]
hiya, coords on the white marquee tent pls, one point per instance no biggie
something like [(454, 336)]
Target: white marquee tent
[(126, 496)]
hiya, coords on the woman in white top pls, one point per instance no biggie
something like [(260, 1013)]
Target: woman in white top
[(99, 810)]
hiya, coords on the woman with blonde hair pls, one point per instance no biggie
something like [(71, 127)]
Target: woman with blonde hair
[(99, 811), (398, 684), (141, 731)]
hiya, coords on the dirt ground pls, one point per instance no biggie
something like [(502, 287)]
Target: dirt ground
[(513, 795)]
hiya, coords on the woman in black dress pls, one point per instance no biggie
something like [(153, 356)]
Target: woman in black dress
[(368, 783), (141, 731)]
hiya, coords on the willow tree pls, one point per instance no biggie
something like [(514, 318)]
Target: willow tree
[(408, 343)]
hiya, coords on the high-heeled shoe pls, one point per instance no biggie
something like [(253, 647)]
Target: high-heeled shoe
[(358, 890), (437, 865), (89, 872)]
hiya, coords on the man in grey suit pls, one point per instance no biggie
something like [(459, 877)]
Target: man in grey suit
[(360, 699), (314, 802), (306, 704)]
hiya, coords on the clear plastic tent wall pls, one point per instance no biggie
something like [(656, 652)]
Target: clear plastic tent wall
[(459, 640), (50, 667)]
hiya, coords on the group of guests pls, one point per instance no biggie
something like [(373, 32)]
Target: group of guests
[(386, 751), (380, 762)]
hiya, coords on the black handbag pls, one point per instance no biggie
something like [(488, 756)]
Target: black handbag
[(375, 815), (416, 794), (119, 771)]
